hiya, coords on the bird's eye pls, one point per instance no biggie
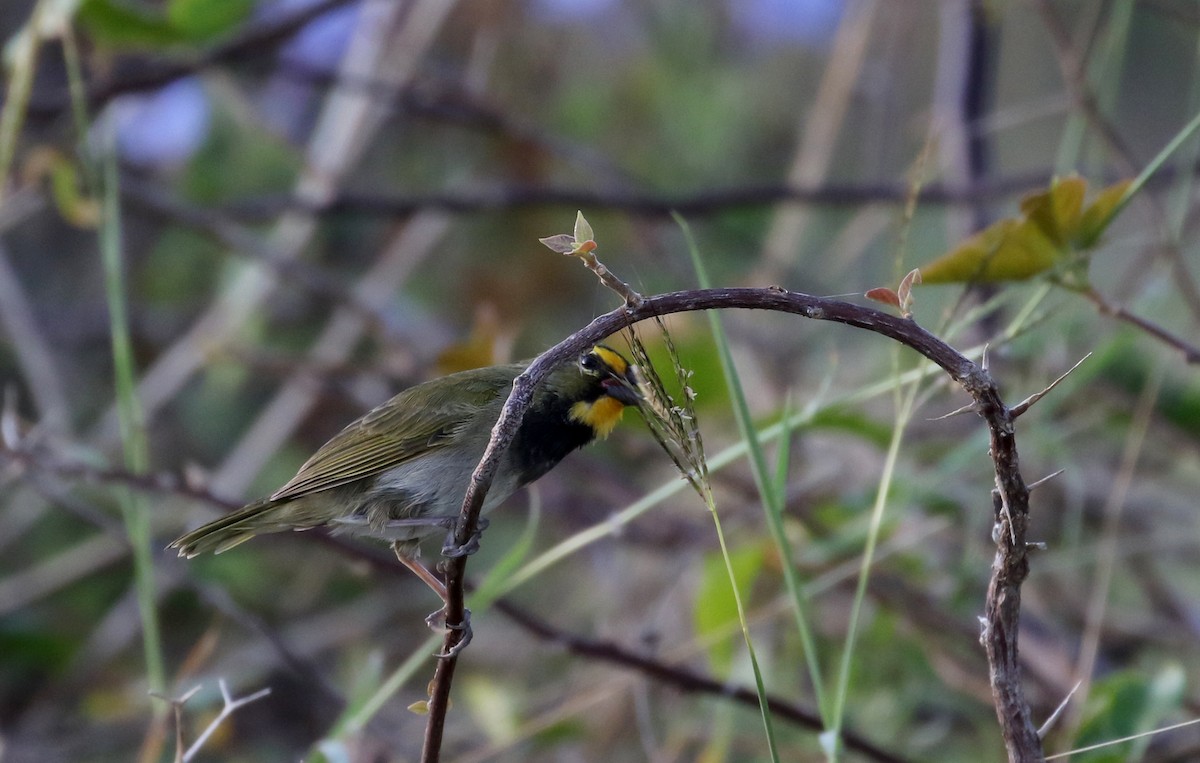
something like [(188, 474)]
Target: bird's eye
[(589, 363)]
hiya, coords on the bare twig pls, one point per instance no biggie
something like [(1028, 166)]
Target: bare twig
[(231, 705), (1191, 353), (1058, 711), (1009, 569), (683, 679), (1028, 402), (1038, 483)]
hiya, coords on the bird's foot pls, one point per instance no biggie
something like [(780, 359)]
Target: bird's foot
[(437, 622), (452, 550)]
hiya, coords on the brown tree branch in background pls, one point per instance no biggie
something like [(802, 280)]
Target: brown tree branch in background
[(250, 42), (681, 678), (1009, 569), (649, 204), (162, 202), (34, 459)]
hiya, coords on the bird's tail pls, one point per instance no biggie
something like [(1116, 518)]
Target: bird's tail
[(238, 527)]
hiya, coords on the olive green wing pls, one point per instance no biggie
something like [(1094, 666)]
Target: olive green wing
[(427, 417)]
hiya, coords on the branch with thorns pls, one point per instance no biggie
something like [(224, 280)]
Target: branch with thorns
[(1011, 565)]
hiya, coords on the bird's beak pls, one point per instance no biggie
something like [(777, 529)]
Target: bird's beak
[(624, 388)]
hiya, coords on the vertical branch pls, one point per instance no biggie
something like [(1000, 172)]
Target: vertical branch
[(1010, 567)]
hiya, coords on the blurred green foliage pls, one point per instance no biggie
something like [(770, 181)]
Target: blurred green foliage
[(636, 100)]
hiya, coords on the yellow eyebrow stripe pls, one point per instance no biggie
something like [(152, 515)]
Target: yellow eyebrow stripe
[(611, 358)]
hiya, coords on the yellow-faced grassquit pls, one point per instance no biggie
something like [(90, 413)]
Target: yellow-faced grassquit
[(400, 472)]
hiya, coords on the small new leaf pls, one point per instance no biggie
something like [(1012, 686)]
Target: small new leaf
[(583, 230), (904, 293), (563, 243), (885, 295)]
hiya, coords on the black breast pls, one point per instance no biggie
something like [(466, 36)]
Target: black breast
[(546, 436)]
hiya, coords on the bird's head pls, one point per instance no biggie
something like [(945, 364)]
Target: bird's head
[(603, 382)]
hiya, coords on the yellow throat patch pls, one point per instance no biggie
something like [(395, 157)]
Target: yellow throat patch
[(601, 414)]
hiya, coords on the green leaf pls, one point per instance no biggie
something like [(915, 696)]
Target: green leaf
[(1053, 224), (1055, 211), (1007, 250), (583, 230), (1099, 214), (125, 24), (121, 25), (716, 608), (1126, 704), (200, 20)]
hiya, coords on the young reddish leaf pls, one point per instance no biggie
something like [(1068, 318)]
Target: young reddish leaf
[(904, 293), (885, 295)]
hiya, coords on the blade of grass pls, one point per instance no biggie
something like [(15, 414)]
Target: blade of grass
[(1155, 164), (904, 409), (20, 83), (772, 493), (759, 685), (133, 435), (760, 477), (800, 595)]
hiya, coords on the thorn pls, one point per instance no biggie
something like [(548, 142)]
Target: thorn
[(1030, 487), (968, 408), (1036, 545), (1058, 711), (985, 360), (1028, 402), (10, 431)]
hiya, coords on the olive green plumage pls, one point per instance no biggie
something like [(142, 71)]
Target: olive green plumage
[(397, 470)]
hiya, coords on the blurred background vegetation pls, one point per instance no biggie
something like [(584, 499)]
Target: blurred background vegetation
[(292, 210)]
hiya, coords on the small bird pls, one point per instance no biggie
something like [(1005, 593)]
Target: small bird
[(400, 472)]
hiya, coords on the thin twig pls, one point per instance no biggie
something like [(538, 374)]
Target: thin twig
[(231, 705), (1009, 569), (1029, 402), (1058, 711), (1191, 353), (681, 678)]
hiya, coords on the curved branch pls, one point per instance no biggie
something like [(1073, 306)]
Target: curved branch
[(1012, 496)]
